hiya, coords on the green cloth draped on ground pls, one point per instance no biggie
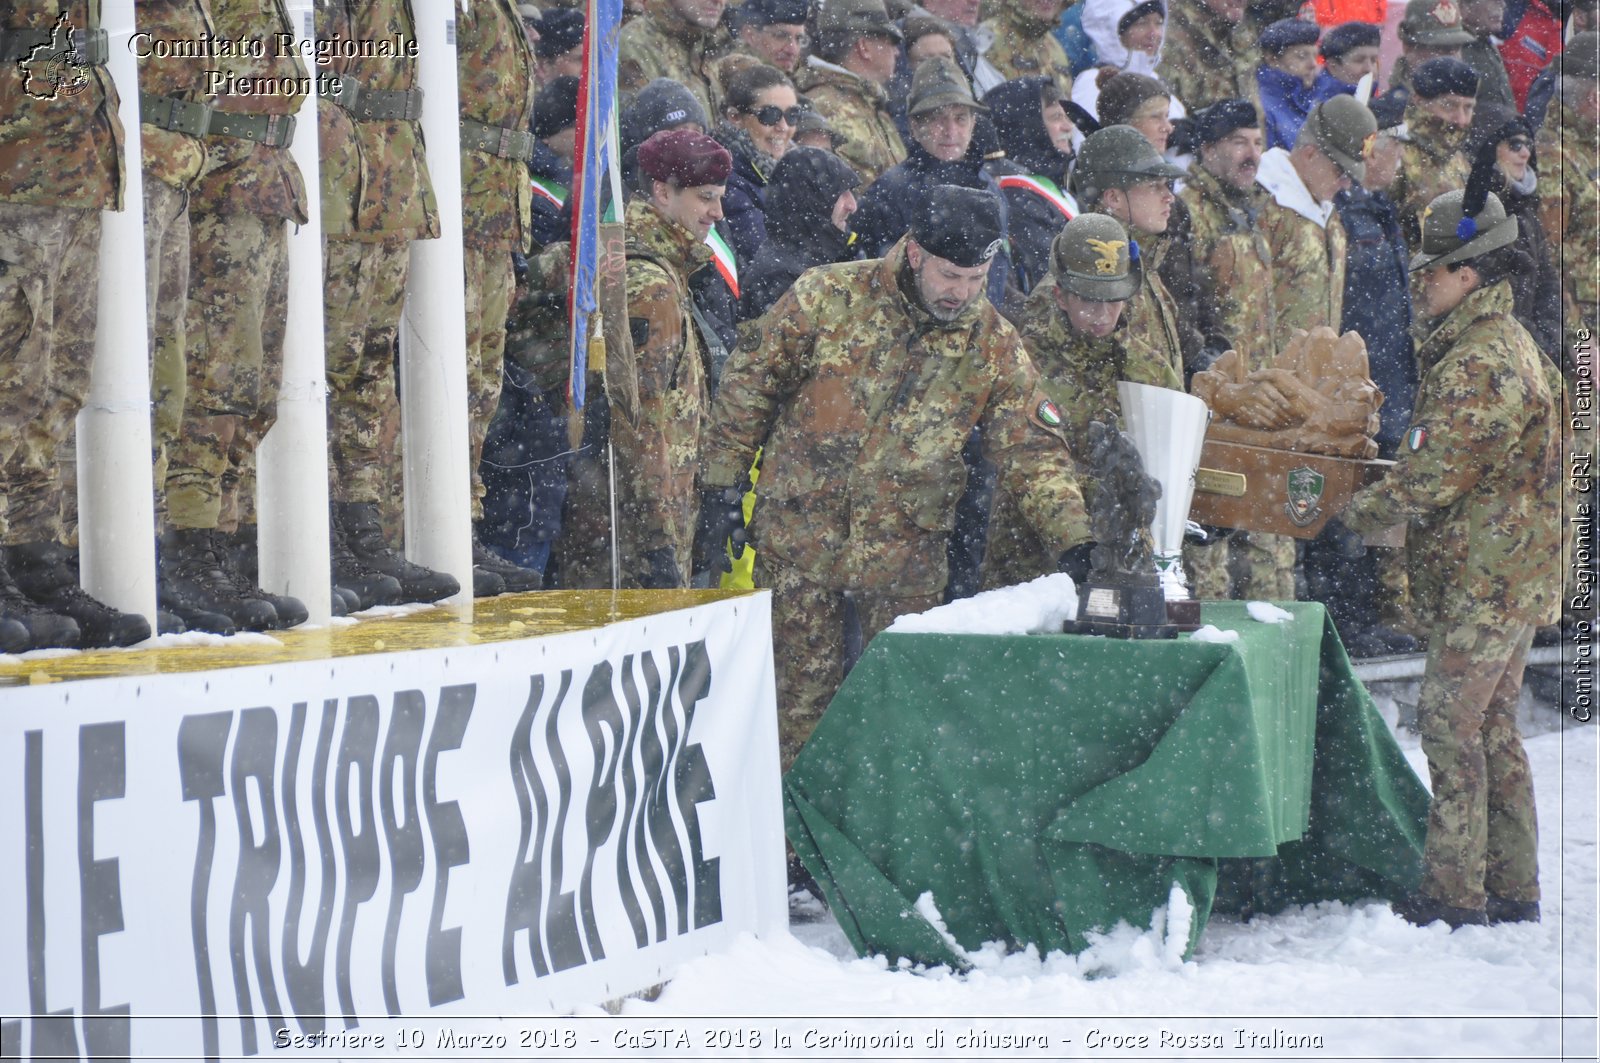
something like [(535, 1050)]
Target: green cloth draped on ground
[(1044, 786)]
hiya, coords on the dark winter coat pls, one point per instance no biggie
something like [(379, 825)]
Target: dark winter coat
[(1377, 305), (1285, 103), (800, 231), (1034, 219), (1536, 294), (744, 202)]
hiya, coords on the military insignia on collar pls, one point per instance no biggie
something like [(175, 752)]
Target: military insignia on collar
[(1446, 12), (1109, 264), (1416, 437), (1369, 145), (1049, 415)]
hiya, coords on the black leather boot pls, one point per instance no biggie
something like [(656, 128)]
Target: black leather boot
[(515, 578), (192, 583), (364, 535), (48, 574), (237, 553), (361, 587), (42, 628)]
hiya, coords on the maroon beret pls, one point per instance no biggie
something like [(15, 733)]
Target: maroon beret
[(685, 158)]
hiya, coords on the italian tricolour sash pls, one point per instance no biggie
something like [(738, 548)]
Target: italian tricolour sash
[(723, 258), (1045, 188), (549, 191)]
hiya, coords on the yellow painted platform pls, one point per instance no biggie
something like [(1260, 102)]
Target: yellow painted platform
[(503, 619)]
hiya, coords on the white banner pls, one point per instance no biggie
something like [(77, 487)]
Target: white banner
[(262, 860)]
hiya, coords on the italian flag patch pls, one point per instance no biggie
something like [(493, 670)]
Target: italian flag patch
[(1416, 437), (1049, 415)]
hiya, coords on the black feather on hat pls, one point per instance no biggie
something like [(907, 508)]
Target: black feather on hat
[(1479, 182)]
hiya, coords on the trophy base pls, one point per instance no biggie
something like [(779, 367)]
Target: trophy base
[(1184, 615), (1128, 611)]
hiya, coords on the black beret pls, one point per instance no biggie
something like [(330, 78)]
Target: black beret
[(1288, 32), (774, 12), (1444, 76), (959, 225), (560, 31), (556, 107), (1223, 118), (1347, 37)]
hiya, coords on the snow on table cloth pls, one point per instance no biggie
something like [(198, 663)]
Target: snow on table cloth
[(1041, 787)]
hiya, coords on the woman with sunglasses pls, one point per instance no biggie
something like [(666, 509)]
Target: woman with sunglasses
[(1501, 145), (760, 112)]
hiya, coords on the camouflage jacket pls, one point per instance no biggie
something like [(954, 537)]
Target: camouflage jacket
[(1233, 266), (64, 150), (660, 44), (1308, 244), (1478, 476), (375, 183), (1431, 164), (243, 176), (655, 456), (167, 155), (859, 111), (1154, 333), (1569, 191), (863, 402), (1079, 373), (1205, 60), (1024, 47), (496, 88)]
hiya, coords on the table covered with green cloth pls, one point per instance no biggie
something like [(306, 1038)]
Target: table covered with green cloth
[(1041, 787)]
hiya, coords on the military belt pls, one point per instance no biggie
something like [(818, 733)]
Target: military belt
[(273, 130), (497, 140), (92, 46), (180, 116), (371, 105)]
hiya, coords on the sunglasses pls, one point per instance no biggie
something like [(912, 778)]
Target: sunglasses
[(772, 115), (1519, 144)]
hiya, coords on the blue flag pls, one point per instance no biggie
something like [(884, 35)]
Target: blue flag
[(597, 100)]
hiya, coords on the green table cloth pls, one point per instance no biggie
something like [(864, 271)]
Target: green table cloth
[(1044, 786)]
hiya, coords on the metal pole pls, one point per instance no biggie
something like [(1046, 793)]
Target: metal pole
[(292, 462), (433, 334), (116, 495)]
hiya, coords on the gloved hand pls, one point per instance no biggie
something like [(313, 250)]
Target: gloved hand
[(663, 574), (1345, 543), (1075, 563), (721, 523)]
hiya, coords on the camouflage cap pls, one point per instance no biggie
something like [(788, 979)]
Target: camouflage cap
[(814, 121), (1448, 236), (959, 225), (1116, 157), (939, 82), (1092, 258), (1434, 24), (1340, 127), (859, 18), (1581, 57)]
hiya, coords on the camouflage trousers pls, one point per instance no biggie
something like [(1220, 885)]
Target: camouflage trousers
[(49, 300), (364, 291), (817, 634), (1243, 566), (490, 281), (166, 288), (237, 313), (1482, 835)]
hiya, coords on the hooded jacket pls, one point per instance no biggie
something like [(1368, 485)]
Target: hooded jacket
[(1377, 305), (1036, 199), (800, 230)]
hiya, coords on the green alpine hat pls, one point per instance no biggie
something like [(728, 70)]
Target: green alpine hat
[(860, 18), (1581, 57), (938, 82), (1092, 258), (1450, 236), (1434, 24), (1341, 127), (1116, 157)]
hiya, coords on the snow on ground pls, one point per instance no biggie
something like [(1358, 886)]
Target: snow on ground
[(1370, 985)]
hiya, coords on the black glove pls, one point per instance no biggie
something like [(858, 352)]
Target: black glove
[(663, 572), (1075, 563), (721, 523), (1344, 542)]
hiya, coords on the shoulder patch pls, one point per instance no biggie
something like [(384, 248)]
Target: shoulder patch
[(1048, 414), (1416, 437), (750, 340), (639, 329)]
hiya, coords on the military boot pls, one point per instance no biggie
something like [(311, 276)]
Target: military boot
[(364, 536), (192, 583), (515, 578), (360, 586), (42, 629), (48, 573), (237, 554)]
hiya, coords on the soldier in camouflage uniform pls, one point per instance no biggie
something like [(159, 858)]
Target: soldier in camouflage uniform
[(1438, 118), (1025, 44), (862, 383), (376, 199), (239, 209), (854, 59), (683, 174), (60, 166), (1211, 52), (1074, 331), (496, 88), (677, 39), (1430, 29), (1477, 479), (1569, 182)]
